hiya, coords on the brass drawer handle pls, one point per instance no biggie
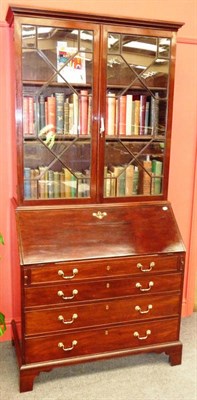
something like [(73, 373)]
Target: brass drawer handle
[(99, 214), (151, 265), (61, 346), (136, 334), (138, 308), (150, 285), (61, 294), (67, 322), (61, 273)]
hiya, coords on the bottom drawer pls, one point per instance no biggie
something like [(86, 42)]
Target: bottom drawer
[(60, 346)]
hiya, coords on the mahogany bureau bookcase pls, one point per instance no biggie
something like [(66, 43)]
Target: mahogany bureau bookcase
[(101, 256)]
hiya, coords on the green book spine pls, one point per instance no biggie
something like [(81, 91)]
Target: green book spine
[(59, 112), (42, 112), (135, 180), (157, 167)]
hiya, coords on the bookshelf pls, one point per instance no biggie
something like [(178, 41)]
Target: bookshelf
[(96, 233), (66, 98)]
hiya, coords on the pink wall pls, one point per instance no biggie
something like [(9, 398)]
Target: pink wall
[(182, 189)]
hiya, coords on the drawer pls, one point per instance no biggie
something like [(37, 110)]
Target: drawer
[(101, 313), (112, 267), (82, 343), (66, 293)]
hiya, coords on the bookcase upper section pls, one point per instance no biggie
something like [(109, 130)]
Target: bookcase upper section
[(95, 95)]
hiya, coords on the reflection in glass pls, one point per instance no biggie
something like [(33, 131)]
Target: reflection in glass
[(28, 36)]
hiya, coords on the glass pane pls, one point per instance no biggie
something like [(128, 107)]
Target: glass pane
[(46, 176), (57, 113), (133, 168), (164, 48), (35, 67), (136, 110), (28, 36)]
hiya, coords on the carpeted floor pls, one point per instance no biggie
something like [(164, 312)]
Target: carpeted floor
[(140, 377)]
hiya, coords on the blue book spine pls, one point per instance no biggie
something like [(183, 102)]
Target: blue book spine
[(27, 183)]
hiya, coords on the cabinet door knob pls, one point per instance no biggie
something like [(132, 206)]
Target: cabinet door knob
[(137, 335), (61, 294), (67, 322), (74, 272), (61, 346), (151, 265), (139, 286)]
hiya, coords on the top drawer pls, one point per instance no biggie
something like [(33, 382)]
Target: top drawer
[(82, 270)]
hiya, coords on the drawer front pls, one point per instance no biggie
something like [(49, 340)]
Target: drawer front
[(74, 271), (75, 344), (101, 313), (66, 293)]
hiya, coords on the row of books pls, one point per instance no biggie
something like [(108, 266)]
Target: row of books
[(125, 116), (132, 115), (43, 183), (70, 115), (120, 180), (145, 179)]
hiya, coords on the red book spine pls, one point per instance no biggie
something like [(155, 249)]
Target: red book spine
[(122, 116), (111, 114), (46, 112), (25, 116), (51, 112), (83, 112)]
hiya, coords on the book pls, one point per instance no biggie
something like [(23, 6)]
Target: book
[(66, 117), (83, 112), (142, 114), (67, 180), (28, 115), (25, 115), (129, 180), (156, 176), (147, 130), (154, 113), (56, 183), (135, 180), (71, 66), (136, 117), (71, 118), (42, 112), (34, 183), (27, 183), (129, 114), (90, 115), (51, 112), (122, 115), (111, 114), (42, 183), (75, 100), (59, 97), (118, 173), (145, 177), (50, 184), (80, 184)]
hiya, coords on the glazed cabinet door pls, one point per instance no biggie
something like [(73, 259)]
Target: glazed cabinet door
[(135, 113), (58, 96)]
